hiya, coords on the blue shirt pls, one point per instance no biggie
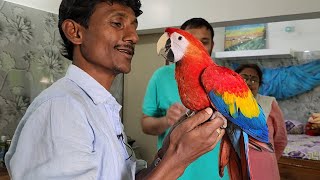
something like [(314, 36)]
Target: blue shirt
[(70, 132), (161, 93)]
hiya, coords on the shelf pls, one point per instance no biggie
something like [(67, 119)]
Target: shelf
[(253, 54)]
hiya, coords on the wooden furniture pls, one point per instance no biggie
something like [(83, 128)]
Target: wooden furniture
[(4, 174), (299, 169)]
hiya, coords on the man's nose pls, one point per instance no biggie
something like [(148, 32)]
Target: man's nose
[(131, 35)]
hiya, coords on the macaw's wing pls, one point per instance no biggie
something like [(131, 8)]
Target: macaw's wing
[(231, 96)]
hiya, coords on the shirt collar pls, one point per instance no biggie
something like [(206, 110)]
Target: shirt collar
[(89, 85)]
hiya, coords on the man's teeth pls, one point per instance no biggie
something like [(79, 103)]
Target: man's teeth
[(125, 51)]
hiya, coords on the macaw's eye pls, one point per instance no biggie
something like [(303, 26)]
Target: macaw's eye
[(179, 38)]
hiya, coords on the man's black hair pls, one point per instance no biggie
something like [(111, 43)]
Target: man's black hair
[(197, 23), (80, 11)]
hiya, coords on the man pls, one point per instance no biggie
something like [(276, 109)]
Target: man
[(162, 105), (72, 130)]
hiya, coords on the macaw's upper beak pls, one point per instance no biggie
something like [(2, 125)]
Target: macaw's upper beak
[(164, 47)]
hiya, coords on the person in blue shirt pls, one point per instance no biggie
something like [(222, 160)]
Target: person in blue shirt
[(162, 106), (72, 130)]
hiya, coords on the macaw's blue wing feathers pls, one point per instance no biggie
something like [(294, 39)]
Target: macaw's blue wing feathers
[(255, 127), (234, 134)]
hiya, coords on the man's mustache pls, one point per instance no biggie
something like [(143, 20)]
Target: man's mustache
[(125, 46)]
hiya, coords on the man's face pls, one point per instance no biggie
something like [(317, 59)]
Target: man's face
[(108, 42), (204, 35)]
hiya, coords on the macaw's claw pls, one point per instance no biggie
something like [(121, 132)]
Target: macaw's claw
[(190, 113)]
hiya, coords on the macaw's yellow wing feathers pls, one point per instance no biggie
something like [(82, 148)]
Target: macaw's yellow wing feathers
[(232, 89)]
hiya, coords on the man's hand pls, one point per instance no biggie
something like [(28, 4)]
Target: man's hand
[(174, 113), (190, 138)]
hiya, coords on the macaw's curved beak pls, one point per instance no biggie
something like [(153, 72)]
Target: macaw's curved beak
[(164, 47)]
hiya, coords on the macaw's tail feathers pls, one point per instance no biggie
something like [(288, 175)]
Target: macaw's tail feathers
[(234, 166), (237, 166), (244, 156), (259, 146), (224, 155)]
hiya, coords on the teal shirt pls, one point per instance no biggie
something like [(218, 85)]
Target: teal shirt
[(161, 93)]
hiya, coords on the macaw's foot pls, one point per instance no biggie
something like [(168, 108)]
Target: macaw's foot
[(190, 113)]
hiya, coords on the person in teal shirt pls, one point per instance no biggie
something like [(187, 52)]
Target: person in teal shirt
[(162, 106)]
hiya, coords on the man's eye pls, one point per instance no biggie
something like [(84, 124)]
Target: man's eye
[(117, 24), (205, 42)]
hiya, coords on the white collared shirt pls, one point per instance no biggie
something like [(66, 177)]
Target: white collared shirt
[(70, 132)]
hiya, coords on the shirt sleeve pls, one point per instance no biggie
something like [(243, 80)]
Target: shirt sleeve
[(280, 132), (56, 142), (150, 105)]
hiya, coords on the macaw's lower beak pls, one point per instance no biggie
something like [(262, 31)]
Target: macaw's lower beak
[(164, 47)]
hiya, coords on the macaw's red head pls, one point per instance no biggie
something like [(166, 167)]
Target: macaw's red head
[(176, 44)]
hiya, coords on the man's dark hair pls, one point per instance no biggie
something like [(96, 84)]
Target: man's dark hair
[(197, 23), (80, 11), (252, 66)]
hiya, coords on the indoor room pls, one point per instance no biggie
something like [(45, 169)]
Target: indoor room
[(281, 37)]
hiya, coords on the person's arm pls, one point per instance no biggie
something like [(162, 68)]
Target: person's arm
[(280, 132), (54, 143), (158, 125), (188, 140), (153, 125), (154, 120)]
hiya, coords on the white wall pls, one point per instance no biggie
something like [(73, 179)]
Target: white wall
[(305, 36), (218, 39), (163, 13)]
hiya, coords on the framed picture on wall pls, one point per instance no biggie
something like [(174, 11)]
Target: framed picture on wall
[(245, 37)]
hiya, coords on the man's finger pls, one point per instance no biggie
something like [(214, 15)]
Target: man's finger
[(197, 119), (218, 138), (213, 126)]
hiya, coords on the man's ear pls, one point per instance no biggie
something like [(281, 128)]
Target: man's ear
[(212, 46), (73, 31)]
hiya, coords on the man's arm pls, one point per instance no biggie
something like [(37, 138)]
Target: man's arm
[(55, 142), (158, 125), (177, 152), (153, 125)]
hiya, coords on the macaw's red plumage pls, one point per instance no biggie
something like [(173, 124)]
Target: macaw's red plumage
[(192, 94), (202, 83)]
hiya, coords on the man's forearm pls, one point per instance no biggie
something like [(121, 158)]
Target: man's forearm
[(144, 173), (153, 125), (160, 169)]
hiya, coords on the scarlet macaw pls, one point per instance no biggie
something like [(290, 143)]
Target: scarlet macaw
[(202, 83)]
